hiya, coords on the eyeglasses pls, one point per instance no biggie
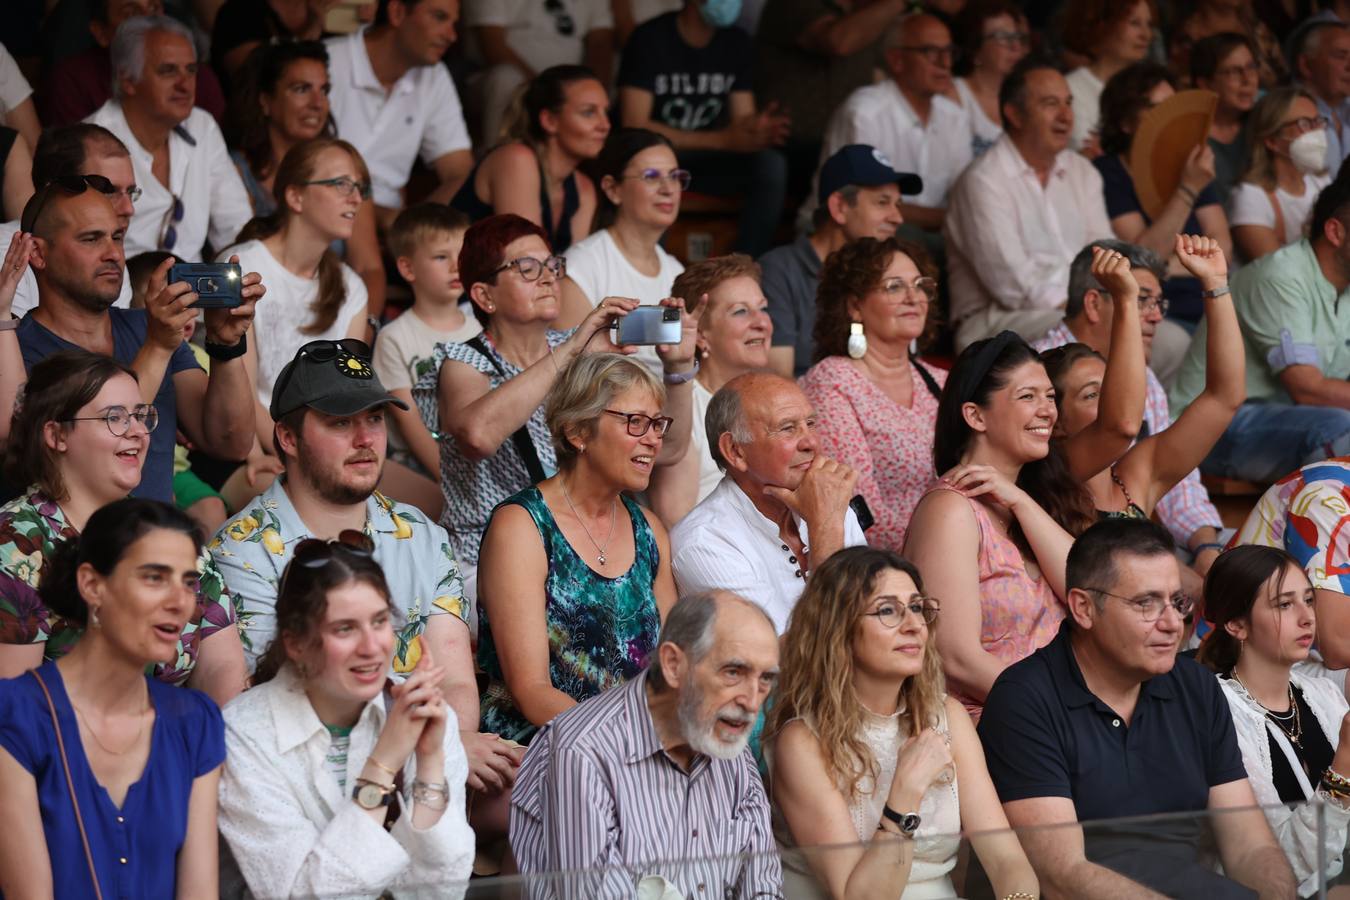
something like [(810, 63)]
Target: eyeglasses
[(1149, 302), (168, 232), (656, 178), (73, 185), (322, 351), (119, 418), (639, 423), (936, 56), (1304, 124), (344, 186), (530, 268), (1151, 606), (923, 287), (1234, 73), (892, 614), (1009, 38), (315, 553)]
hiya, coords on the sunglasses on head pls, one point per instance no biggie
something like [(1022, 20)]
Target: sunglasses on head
[(322, 351), (315, 553), (71, 185)]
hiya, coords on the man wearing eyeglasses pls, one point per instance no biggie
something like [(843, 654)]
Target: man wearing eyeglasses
[(191, 191), (1185, 510), (1321, 55), (1106, 722), (908, 117)]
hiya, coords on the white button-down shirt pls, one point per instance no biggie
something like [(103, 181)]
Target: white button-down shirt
[(421, 115), (201, 175), (1010, 239), (880, 115), (726, 543), (293, 832)]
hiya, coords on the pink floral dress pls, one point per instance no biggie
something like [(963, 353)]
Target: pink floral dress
[(889, 445)]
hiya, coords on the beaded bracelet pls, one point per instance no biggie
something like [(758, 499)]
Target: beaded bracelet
[(1019, 895)]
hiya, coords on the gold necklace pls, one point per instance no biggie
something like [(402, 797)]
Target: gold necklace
[(99, 741)]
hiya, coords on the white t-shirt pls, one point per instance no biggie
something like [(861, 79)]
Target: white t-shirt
[(551, 34), (286, 309), (406, 349), (983, 130), (1249, 204), (14, 88), (599, 268), (420, 116), (1086, 90), (708, 472)]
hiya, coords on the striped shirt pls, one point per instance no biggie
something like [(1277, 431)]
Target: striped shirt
[(597, 791), (1186, 508)]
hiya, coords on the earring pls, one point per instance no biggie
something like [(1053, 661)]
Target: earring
[(857, 341), (492, 307), (93, 618), (704, 353)]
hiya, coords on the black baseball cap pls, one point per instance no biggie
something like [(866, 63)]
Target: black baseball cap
[(334, 377), (865, 166)]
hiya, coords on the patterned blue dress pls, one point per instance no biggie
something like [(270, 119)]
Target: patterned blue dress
[(601, 630)]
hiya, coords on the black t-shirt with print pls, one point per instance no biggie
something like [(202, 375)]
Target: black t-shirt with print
[(691, 86)]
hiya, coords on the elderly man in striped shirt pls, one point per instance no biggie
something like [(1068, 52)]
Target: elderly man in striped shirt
[(652, 781)]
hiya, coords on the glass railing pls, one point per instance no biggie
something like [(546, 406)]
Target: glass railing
[(1207, 855)]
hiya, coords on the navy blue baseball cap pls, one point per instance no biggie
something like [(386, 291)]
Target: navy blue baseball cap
[(865, 166)]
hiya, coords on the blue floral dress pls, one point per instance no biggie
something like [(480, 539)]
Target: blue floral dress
[(601, 630)]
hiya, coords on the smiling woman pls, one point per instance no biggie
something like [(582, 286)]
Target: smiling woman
[(92, 745)]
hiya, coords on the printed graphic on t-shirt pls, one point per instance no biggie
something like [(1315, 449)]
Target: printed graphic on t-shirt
[(691, 101)]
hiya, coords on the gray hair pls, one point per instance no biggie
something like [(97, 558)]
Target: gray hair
[(584, 389), (689, 626), (1081, 279), (128, 46), (725, 414)]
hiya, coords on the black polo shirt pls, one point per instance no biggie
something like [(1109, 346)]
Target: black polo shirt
[(1046, 735)]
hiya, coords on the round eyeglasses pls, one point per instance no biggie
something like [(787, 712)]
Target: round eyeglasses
[(891, 613), (531, 269), (640, 423), (119, 418)]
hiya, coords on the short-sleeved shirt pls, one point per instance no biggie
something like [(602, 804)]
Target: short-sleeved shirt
[(1290, 315), (691, 87), (128, 333), (807, 85), (14, 88), (31, 527), (405, 350), (1250, 204), (1046, 735), (1184, 294), (791, 279), (419, 116), (252, 550), (1307, 514), (543, 34), (135, 848)]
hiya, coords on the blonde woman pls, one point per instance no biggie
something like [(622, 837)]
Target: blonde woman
[(864, 745), (1288, 146)]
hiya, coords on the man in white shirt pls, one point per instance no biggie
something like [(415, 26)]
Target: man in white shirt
[(393, 99), (1020, 214), (908, 119), (782, 509), (191, 191)]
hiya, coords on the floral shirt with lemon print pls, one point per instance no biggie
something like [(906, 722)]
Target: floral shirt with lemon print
[(31, 526), (252, 549)]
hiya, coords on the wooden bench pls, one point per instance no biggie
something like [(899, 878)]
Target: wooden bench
[(1233, 499)]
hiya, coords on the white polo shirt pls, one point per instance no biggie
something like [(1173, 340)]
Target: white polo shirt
[(725, 543), (421, 116), (201, 175)]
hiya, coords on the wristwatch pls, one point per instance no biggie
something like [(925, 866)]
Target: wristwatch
[(908, 823), (369, 795)]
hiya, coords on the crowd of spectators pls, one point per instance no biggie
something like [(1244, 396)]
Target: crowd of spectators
[(395, 492)]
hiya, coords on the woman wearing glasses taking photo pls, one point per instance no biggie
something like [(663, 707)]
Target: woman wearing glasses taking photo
[(575, 577), (78, 442), (490, 390), (319, 188), (333, 785), (889, 755), (108, 776)]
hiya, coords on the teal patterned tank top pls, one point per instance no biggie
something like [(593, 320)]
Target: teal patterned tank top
[(601, 630)]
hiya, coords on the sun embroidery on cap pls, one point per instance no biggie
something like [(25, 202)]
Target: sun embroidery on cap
[(353, 366)]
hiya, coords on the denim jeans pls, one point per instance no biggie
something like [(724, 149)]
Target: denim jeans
[(760, 179), (1266, 441)]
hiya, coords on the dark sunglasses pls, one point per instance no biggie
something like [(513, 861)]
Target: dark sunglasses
[(322, 351), (168, 235), (71, 185), (315, 553)]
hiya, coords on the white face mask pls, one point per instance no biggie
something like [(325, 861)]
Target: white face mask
[(1308, 151)]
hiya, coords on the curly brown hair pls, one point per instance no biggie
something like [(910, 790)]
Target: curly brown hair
[(849, 274), (1087, 23), (704, 276)]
